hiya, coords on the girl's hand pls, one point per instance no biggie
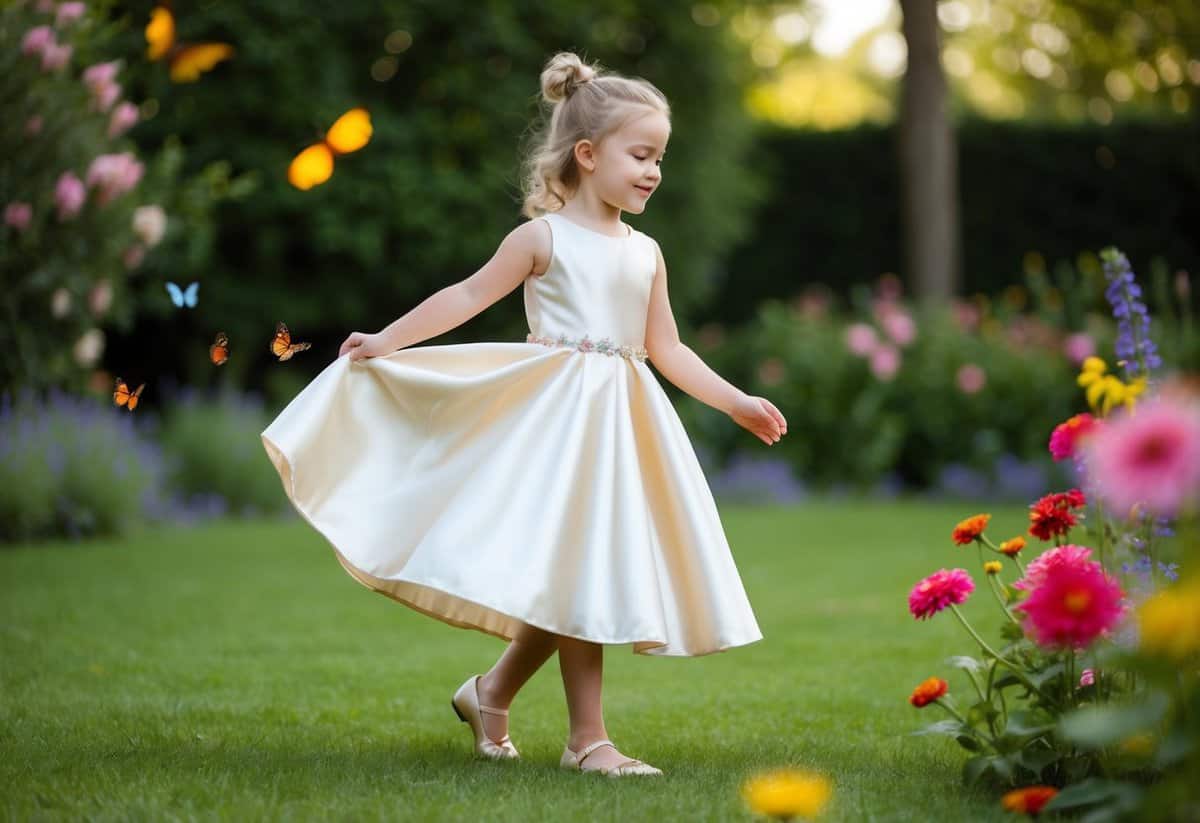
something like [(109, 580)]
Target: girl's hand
[(361, 345), (759, 416)]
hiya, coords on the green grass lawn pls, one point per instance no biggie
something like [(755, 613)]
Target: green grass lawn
[(235, 671)]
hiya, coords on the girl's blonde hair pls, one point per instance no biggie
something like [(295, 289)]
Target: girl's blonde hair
[(588, 104)]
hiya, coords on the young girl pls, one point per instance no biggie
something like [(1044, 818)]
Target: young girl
[(544, 492)]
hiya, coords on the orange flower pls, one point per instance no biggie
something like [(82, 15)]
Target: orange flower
[(928, 691), (1013, 547), (1029, 800), (970, 529)]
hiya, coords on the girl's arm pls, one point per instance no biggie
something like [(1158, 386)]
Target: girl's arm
[(684, 368), (520, 254)]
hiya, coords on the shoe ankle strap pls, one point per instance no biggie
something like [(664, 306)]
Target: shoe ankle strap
[(591, 747), (491, 710)]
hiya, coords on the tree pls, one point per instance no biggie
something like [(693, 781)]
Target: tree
[(928, 157)]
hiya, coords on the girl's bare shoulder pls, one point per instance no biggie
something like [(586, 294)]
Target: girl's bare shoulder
[(535, 237)]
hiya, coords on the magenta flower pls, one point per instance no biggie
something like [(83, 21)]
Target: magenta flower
[(1072, 606), (861, 339), (113, 175), (35, 41), (17, 215), (68, 13), (1049, 562), (123, 117), (938, 591), (69, 195), (1079, 347), (1087, 678), (1067, 436), (1150, 457)]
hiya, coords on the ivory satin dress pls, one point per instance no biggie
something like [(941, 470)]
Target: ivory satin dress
[(549, 482)]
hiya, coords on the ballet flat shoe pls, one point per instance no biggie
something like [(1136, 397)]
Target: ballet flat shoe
[(574, 761), (466, 706)]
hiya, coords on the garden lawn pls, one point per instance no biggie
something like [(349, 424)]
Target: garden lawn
[(235, 671)]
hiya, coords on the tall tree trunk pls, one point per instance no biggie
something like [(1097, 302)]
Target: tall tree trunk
[(928, 161)]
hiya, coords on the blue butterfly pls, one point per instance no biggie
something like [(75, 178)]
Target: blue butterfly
[(188, 297)]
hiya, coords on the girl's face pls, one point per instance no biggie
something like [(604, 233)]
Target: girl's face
[(627, 162)]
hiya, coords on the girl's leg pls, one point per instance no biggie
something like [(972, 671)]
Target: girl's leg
[(582, 664), (526, 652)]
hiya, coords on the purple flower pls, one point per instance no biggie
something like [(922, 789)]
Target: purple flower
[(1133, 345)]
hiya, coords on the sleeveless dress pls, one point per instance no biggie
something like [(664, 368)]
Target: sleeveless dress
[(547, 482)]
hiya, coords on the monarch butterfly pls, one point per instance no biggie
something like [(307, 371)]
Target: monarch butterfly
[(122, 396), (314, 165), (282, 345), (184, 297), (187, 61), (218, 352)]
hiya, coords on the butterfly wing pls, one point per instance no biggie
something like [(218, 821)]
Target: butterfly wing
[(218, 352), (176, 294), (189, 62), (350, 132), (191, 295), (132, 401), (281, 342), (160, 33), (295, 347), (121, 392), (311, 167)]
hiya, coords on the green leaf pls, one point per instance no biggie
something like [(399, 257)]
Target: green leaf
[(1095, 790), (963, 661), (1037, 760), (1098, 726), (1026, 723), (948, 726), (969, 743), (1048, 673)]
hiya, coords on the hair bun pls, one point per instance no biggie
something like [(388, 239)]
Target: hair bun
[(564, 73)]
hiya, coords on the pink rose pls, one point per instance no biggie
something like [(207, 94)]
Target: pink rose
[(113, 175), (100, 297), (861, 339), (18, 215), (69, 195), (970, 379), (123, 117), (55, 57), (35, 41), (68, 13), (1078, 347), (33, 126), (899, 326), (885, 362), (100, 80)]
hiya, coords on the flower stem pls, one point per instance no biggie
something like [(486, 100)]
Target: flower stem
[(1024, 678), (994, 584)]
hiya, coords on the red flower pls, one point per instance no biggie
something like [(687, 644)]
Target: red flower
[(928, 691), (1052, 515), (970, 529), (1073, 605), (1066, 436), (1029, 800)]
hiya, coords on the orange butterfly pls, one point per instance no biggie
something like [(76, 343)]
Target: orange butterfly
[(282, 345), (218, 352), (314, 165), (187, 60), (122, 396)]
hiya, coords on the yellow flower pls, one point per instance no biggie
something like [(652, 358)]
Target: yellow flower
[(1169, 622), (1138, 744), (786, 793), (1106, 390), (993, 566)]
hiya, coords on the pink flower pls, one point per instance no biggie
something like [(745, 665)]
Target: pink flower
[(885, 362), (44, 6), (1078, 347), (1150, 457), (1066, 437), (1073, 606), (100, 80), (149, 224), (938, 591), (133, 256), (1049, 562), (970, 379), (100, 297), (123, 117), (113, 175), (899, 326), (55, 57), (33, 126), (69, 195), (35, 41), (68, 13), (1087, 678), (861, 339), (18, 215), (966, 315)]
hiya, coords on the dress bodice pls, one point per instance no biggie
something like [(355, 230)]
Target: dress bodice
[(596, 285)]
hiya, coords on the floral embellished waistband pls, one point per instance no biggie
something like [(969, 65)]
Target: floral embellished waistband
[(585, 344)]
